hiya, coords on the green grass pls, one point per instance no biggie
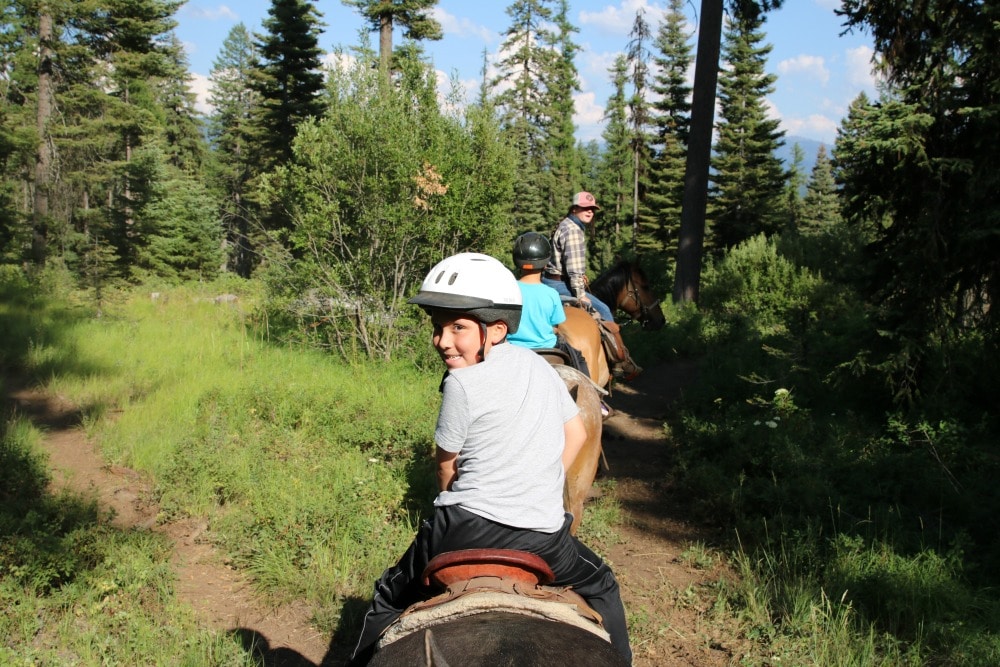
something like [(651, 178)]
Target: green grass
[(76, 590), (311, 475), (866, 526)]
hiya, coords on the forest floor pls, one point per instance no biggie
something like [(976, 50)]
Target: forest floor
[(666, 585)]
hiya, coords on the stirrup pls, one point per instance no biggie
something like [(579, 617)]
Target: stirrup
[(630, 370)]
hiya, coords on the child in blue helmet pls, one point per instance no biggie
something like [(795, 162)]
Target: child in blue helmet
[(542, 308)]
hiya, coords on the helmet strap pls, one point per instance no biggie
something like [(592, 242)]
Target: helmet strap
[(482, 341)]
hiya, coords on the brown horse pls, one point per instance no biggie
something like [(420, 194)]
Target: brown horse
[(580, 476), (623, 287)]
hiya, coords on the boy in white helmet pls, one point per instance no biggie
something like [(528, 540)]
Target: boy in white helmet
[(506, 433)]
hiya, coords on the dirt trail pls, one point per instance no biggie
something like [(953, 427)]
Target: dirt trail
[(657, 584)]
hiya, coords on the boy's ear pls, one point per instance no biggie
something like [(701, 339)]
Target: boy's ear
[(496, 331)]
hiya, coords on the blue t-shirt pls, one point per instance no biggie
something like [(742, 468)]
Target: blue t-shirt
[(542, 309)]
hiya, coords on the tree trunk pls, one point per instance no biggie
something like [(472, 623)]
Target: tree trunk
[(43, 155), (695, 199), (385, 46), (635, 199)]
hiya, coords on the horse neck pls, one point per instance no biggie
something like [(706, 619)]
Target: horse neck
[(610, 287)]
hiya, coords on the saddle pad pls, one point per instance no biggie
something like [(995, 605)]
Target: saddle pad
[(484, 601)]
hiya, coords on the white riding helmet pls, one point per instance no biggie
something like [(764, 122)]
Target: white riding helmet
[(472, 283)]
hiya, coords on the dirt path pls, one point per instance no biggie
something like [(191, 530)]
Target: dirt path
[(660, 587), (225, 600)]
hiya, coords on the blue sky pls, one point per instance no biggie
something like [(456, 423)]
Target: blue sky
[(819, 71)]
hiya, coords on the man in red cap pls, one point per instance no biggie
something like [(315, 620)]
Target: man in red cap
[(566, 272)]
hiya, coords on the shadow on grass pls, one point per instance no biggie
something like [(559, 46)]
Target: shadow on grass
[(260, 650), (34, 335), (46, 540), (345, 636)]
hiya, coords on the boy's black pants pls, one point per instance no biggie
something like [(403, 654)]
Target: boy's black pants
[(453, 528)]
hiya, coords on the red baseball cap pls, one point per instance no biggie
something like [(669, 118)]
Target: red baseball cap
[(585, 200)]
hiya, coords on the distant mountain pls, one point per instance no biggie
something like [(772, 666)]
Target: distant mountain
[(809, 149)]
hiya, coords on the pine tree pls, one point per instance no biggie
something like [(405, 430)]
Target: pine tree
[(562, 130), (384, 15), (18, 118), (926, 161), (696, 171), (526, 75), (793, 190), (119, 62), (183, 133), (288, 79), (821, 204), (749, 178), (616, 170), (31, 46), (639, 120), (671, 120), (183, 239), (234, 102)]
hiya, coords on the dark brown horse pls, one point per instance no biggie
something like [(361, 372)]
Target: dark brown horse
[(496, 610), (623, 287)]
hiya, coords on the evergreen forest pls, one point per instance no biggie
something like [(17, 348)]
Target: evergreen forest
[(843, 431)]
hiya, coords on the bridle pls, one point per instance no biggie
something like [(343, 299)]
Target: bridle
[(632, 292)]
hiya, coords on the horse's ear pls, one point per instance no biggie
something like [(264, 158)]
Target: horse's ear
[(433, 655)]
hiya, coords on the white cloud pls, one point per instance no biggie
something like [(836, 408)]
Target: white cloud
[(338, 60), (463, 27), (589, 117), (859, 68), (771, 109), (201, 87), (829, 4), (596, 68), (212, 14), (190, 48), (455, 94), (618, 19), (815, 126), (813, 67)]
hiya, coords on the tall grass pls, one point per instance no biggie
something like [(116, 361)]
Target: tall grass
[(886, 550), (311, 473), (76, 590)]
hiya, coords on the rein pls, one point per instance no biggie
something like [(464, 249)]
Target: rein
[(632, 292)]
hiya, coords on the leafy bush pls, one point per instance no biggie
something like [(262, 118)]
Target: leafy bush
[(382, 187), (885, 515)]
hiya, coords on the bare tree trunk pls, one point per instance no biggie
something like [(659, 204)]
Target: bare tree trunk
[(385, 46), (695, 199), (635, 199), (43, 155)]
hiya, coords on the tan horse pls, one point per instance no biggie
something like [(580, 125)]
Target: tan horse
[(581, 331), (623, 287), (580, 476)]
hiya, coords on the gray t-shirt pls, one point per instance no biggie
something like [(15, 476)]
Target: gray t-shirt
[(505, 416)]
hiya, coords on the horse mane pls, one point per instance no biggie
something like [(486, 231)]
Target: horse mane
[(607, 286)]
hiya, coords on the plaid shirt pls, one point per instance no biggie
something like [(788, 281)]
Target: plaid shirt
[(569, 256)]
